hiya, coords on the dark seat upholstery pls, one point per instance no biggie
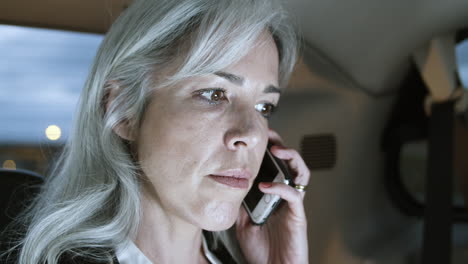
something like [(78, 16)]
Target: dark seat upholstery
[(17, 188)]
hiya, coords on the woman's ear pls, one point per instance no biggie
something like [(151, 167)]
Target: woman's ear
[(123, 129)]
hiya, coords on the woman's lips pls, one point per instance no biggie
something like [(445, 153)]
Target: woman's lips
[(241, 183)]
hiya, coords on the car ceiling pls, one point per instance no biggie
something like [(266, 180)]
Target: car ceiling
[(365, 43), (370, 41)]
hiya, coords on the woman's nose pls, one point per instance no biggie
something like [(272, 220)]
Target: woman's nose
[(236, 139), (243, 134)]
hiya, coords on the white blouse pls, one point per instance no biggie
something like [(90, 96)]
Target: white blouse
[(129, 253)]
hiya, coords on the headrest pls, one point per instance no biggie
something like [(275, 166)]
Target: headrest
[(17, 188)]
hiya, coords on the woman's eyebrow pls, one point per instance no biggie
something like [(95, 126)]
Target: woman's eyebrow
[(238, 80), (272, 89)]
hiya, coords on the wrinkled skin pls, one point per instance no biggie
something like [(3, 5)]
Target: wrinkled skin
[(201, 126)]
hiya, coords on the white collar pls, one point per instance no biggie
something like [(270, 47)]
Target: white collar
[(129, 253)]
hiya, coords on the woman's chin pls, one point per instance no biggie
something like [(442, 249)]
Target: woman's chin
[(220, 216)]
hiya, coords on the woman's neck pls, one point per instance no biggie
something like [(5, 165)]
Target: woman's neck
[(165, 238)]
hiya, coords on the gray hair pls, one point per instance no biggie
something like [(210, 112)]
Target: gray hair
[(90, 200)]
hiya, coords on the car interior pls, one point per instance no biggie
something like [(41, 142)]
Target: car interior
[(378, 108)]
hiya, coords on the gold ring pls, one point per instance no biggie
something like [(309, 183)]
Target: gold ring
[(300, 188)]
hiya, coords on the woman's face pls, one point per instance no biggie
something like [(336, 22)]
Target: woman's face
[(206, 126)]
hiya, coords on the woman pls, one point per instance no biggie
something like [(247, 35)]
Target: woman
[(176, 105)]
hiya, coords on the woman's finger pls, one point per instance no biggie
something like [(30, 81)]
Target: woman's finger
[(295, 162), (291, 195)]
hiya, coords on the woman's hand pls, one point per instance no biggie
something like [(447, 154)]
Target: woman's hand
[(283, 238)]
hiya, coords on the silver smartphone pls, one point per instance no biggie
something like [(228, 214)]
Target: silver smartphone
[(259, 205)]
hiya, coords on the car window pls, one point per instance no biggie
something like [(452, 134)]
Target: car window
[(461, 54), (42, 73)]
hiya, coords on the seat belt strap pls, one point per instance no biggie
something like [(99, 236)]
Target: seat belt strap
[(436, 63), (437, 243)]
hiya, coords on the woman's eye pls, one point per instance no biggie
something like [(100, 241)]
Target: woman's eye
[(265, 109), (214, 96), (217, 95)]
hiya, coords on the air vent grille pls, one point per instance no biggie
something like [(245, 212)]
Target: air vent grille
[(319, 151)]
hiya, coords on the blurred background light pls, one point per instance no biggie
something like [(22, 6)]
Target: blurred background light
[(9, 164), (53, 132)]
